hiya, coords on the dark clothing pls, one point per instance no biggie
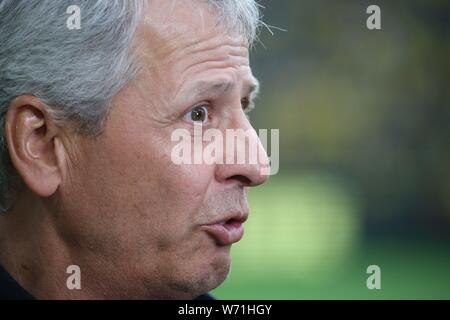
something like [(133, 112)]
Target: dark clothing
[(11, 290)]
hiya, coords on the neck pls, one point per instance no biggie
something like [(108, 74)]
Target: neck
[(37, 254), (33, 253)]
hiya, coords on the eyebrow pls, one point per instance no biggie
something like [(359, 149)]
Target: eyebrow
[(254, 88), (203, 88)]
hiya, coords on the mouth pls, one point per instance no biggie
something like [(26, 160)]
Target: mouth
[(228, 230)]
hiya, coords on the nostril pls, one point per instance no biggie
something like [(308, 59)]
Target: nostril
[(242, 179)]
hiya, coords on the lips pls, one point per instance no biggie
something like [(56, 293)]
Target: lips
[(228, 230)]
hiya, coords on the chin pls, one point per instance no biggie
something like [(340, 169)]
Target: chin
[(219, 269), (200, 278)]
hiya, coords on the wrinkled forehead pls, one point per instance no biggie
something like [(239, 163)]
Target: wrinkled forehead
[(187, 21), (175, 33)]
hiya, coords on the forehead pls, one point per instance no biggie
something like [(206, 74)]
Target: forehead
[(189, 18), (181, 38), (174, 25)]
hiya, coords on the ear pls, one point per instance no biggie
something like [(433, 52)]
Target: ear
[(31, 135)]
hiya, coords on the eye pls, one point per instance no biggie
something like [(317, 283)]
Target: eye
[(198, 114), (247, 106)]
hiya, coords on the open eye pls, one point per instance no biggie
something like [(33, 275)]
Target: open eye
[(198, 114), (247, 105)]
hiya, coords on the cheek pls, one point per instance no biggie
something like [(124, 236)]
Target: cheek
[(134, 196), (183, 190), (164, 197)]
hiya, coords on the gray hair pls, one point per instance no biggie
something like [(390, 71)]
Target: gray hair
[(76, 73)]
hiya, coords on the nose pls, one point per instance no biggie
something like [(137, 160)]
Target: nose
[(245, 160)]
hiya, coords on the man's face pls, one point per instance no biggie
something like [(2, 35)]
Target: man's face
[(131, 211)]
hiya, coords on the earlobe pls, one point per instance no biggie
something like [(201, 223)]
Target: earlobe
[(30, 134)]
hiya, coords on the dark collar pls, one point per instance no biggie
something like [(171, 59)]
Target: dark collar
[(10, 289)]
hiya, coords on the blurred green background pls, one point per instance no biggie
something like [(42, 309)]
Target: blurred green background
[(364, 154)]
